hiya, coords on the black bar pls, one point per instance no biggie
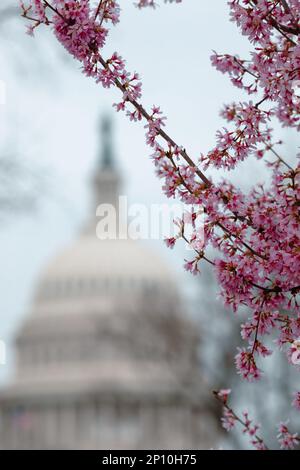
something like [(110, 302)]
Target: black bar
[(136, 459)]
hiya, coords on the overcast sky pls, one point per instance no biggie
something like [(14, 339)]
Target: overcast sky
[(51, 119)]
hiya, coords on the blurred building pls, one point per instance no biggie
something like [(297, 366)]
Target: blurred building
[(106, 358)]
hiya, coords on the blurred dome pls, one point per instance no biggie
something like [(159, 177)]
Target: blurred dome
[(124, 259), (106, 345), (107, 273), (117, 292)]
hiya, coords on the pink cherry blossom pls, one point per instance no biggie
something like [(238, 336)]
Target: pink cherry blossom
[(296, 401), (170, 242), (286, 439), (223, 394), (230, 419), (246, 365), (294, 352)]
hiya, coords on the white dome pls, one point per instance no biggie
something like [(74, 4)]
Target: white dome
[(89, 256), (101, 301), (100, 275)]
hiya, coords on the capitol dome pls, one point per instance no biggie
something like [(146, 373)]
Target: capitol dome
[(95, 269), (107, 357)]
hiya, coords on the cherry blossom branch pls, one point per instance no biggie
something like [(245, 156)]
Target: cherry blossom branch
[(285, 6), (256, 234), (141, 110), (55, 10), (98, 8), (286, 439), (282, 29), (230, 418), (245, 68), (160, 131), (270, 147)]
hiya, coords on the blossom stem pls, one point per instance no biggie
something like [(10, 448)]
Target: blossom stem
[(183, 152), (278, 156), (160, 131), (245, 68), (98, 9), (55, 10), (238, 418)]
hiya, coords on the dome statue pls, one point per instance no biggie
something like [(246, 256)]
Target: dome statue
[(107, 356)]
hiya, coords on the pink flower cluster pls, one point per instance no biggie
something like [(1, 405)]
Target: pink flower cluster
[(296, 401), (287, 440), (246, 365), (230, 419), (273, 27), (250, 136)]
